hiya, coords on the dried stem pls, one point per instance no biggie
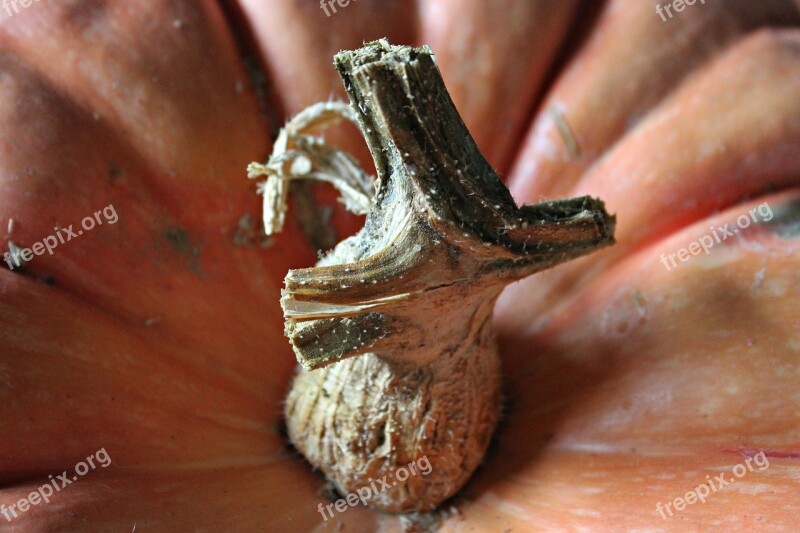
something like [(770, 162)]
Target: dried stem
[(297, 155), (412, 293)]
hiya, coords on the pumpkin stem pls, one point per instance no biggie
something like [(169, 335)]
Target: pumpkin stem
[(442, 221), (412, 293)]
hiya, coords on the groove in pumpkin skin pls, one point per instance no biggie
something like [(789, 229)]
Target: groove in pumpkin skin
[(786, 220), (769, 453), (748, 83), (629, 83)]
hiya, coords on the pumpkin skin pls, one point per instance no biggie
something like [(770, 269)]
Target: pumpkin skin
[(161, 339)]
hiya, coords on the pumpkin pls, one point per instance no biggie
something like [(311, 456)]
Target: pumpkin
[(632, 377)]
